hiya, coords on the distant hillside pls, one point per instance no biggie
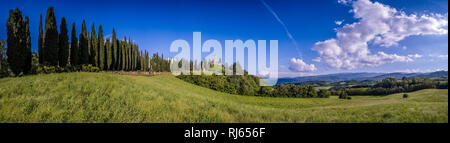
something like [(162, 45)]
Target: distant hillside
[(361, 76)]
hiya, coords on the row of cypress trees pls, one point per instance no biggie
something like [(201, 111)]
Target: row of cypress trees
[(93, 49)]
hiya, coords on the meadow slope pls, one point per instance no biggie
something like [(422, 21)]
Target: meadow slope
[(106, 97)]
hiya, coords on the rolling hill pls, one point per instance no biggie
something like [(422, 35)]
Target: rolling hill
[(107, 97), (361, 76)]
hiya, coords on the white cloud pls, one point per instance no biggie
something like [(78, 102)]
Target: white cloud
[(344, 1), (298, 65), (415, 56), (339, 22), (316, 59), (404, 47), (377, 24), (443, 56)]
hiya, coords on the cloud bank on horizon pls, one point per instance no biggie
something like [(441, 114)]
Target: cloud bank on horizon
[(377, 25)]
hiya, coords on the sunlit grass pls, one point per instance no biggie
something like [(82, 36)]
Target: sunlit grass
[(106, 97)]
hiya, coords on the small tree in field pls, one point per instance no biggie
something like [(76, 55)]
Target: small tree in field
[(344, 95), (405, 95)]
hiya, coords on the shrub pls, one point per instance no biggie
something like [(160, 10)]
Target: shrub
[(405, 95), (46, 69), (323, 93), (89, 68), (343, 95)]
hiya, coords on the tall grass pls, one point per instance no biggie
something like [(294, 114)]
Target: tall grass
[(106, 97)]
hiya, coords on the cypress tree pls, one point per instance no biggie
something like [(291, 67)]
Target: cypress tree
[(63, 44), (133, 57), (130, 54), (93, 58), (101, 49), (51, 39), (17, 42), (147, 61), (13, 52), (119, 55), (114, 51), (84, 45), (27, 67), (127, 53), (41, 42), (74, 51), (141, 59), (109, 54), (89, 60), (124, 54), (136, 58)]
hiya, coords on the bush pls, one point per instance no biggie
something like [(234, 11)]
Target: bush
[(46, 69), (89, 68), (343, 95), (323, 93), (69, 68), (405, 95)]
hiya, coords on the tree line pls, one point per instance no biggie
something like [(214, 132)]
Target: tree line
[(93, 49), (392, 85), (248, 84), (84, 50)]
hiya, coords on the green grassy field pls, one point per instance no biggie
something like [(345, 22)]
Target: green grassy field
[(105, 97)]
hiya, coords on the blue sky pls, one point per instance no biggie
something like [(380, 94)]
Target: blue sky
[(154, 24)]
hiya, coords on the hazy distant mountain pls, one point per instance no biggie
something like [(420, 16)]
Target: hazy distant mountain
[(361, 76)]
